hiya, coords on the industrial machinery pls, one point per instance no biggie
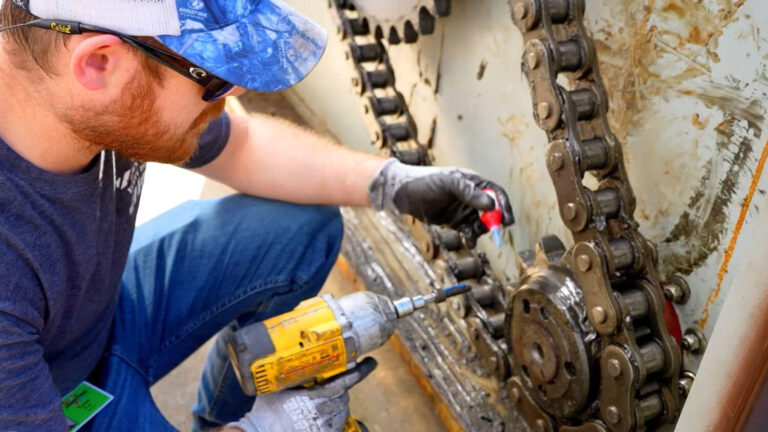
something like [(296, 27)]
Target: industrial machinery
[(647, 117)]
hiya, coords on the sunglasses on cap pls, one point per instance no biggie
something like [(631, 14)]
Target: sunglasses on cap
[(215, 87)]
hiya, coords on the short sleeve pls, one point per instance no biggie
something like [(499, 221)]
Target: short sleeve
[(211, 143), (29, 399)]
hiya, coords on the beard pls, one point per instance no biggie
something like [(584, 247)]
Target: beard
[(133, 126)]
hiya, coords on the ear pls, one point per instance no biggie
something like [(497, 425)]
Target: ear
[(95, 59)]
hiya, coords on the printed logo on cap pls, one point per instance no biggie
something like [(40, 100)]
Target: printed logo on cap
[(196, 4)]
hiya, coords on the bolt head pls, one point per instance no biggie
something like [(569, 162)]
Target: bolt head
[(614, 368), (690, 342), (584, 263), (612, 415), (521, 11), (541, 425), (599, 315), (570, 211)]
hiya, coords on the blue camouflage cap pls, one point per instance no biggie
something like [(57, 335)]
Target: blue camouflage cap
[(262, 45)]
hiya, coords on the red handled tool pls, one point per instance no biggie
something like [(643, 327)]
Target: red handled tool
[(492, 218)]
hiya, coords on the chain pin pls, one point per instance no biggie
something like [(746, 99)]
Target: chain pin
[(532, 58), (544, 110), (521, 11), (569, 211), (614, 368), (584, 263), (612, 415), (556, 160), (598, 314)]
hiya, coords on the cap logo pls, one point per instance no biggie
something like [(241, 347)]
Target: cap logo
[(196, 4)]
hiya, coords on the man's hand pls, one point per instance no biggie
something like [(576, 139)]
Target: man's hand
[(322, 408), (437, 195)]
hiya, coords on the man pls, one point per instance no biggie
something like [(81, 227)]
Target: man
[(84, 298)]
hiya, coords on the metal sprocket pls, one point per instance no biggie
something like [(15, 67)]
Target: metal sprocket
[(401, 20)]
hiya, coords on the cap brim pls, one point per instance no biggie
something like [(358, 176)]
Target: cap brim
[(271, 49)]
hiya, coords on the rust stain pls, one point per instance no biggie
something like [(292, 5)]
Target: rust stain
[(735, 237), (629, 55), (698, 123)]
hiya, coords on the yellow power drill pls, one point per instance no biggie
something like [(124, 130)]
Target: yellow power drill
[(320, 339)]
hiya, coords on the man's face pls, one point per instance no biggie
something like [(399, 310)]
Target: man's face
[(158, 117)]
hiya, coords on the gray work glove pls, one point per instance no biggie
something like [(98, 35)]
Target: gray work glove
[(322, 408), (438, 195)]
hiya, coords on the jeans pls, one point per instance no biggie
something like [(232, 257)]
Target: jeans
[(202, 268)]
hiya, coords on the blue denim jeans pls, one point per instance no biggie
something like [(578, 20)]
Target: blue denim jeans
[(202, 268)]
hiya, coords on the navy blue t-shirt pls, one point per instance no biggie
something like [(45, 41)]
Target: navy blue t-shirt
[(64, 241)]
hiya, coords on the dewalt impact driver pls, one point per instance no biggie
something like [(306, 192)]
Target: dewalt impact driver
[(320, 339)]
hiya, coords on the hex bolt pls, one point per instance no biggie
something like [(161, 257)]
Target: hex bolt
[(521, 11), (541, 425), (614, 368), (532, 58), (570, 211), (685, 383), (584, 263), (691, 342), (544, 110), (676, 290), (599, 315), (556, 161), (612, 415)]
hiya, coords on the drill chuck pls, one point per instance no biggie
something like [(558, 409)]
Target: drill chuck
[(408, 305)]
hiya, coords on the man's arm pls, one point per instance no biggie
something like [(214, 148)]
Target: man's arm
[(272, 158), (29, 400)]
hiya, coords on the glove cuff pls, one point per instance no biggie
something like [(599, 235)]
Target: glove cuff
[(377, 190)]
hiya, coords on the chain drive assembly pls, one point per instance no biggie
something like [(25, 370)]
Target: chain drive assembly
[(638, 362), (581, 342)]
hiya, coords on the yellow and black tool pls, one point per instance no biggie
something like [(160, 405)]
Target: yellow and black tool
[(320, 339)]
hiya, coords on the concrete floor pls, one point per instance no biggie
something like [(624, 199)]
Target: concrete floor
[(388, 400)]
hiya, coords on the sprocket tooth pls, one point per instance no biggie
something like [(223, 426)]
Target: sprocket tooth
[(524, 260), (426, 21), (410, 35), (553, 248), (541, 259), (393, 37), (443, 7)]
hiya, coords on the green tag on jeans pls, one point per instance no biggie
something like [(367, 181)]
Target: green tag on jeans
[(82, 403)]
